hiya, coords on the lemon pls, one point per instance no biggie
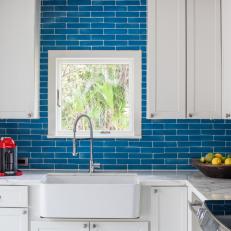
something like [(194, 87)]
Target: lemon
[(218, 155), (228, 161), (202, 160), (209, 157), (216, 161)]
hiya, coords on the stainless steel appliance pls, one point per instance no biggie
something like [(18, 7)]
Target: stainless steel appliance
[(211, 215), (195, 206)]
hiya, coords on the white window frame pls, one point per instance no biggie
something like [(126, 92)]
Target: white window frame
[(133, 58)]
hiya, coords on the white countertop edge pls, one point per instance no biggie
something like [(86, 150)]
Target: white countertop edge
[(205, 188)]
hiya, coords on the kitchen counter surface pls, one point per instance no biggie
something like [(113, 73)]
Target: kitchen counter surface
[(209, 188), (145, 177)]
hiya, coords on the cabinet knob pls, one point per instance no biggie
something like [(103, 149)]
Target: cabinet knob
[(155, 190), (227, 115), (152, 115), (30, 114), (190, 115), (94, 226), (85, 226), (24, 212)]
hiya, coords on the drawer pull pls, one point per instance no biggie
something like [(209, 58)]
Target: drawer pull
[(94, 226)]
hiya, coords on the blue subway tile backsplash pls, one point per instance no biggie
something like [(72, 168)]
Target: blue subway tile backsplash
[(109, 25), (219, 207)]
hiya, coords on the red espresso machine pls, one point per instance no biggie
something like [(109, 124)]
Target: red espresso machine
[(8, 158)]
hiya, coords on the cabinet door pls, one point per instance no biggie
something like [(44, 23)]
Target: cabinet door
[(19, 57), (119, 226), (169, 208), (166, 78), (60, 226), (14, 219), (226, 58), (203, 59)]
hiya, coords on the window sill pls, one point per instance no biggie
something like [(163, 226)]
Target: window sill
[(97, 136)]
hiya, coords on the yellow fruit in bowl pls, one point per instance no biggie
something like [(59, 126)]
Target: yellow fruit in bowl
[(209, 157), (228, 161), (202, 160), (216, 161), (218, 155), (223, 159)]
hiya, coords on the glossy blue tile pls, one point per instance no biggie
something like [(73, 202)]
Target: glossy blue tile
[(110, 25), (103, 2), (79, 2)]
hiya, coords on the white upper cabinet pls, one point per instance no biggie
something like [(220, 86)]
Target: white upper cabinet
[(19, 58), (166, 59), (184, 65), (203, 59), (226, 58)]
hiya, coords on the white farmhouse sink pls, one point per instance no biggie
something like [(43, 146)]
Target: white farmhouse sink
[(90, 196)]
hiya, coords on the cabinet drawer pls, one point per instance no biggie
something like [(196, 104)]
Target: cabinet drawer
[(13, 196)]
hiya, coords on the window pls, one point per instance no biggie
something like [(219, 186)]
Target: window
[(106, 85)]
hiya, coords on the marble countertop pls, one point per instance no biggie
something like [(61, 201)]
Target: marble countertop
[(209, 188), (145, 177)]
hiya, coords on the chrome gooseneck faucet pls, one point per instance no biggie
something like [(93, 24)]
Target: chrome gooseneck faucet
[(92, 165)]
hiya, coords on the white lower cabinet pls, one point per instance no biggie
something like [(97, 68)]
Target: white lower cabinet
[(60, 226), (169, 209), (89, 226), (14, 219), (119, 226), (14, 208)]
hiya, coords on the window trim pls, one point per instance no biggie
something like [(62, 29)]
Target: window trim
[(134, 57)]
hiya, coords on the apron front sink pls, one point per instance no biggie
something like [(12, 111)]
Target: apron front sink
[(90, 196)]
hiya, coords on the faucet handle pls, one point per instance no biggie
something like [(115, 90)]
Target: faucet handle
[(93, 166), (97, 165)]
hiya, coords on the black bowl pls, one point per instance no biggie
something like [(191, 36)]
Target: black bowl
[(214, 171)]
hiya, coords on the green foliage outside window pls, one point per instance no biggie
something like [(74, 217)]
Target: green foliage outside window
[(99, 90)]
